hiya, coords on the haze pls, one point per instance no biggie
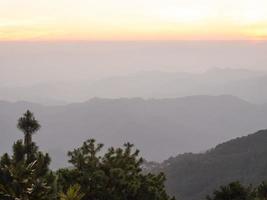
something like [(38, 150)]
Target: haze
[(30, 63), (178, 79)]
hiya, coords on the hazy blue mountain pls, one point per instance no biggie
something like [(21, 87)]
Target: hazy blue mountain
[(246, 84), (159, 127), (193, 176), (155, 84)]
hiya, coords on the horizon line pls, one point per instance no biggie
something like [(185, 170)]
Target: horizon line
[(132, 40)]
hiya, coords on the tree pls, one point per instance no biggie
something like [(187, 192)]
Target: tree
[(28, 125), (261, 191), (117, 175), (233, 191), (26, 175), (73, 193)]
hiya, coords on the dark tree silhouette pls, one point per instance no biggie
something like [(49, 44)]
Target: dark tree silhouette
[(28, 125), (233, 191), (25, 175), (116, 175), (262, 191)]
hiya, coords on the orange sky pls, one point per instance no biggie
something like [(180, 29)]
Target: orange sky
[(133, 20)]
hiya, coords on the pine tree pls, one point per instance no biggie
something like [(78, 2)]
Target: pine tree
[(233, 191), (25, 175), (117, 175), (28, 125)]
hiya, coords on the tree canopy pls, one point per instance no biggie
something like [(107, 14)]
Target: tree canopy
[(26, 175), (114, 175)]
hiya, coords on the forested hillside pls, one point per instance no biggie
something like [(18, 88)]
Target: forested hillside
[(193, 176)]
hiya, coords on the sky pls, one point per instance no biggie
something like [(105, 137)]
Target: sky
[(133, 20), (93, 39)]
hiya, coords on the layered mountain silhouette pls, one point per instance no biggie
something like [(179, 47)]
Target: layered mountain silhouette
[(159, 128), (245, 84), (193, 176)]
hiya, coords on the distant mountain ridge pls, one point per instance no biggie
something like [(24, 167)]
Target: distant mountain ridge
[(193, 176), (246, 84), (188, 124)]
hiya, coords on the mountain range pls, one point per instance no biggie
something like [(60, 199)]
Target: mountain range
[(246, 84), (160, 128)]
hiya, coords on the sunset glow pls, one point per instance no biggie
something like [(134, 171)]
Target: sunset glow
[(133, 20)]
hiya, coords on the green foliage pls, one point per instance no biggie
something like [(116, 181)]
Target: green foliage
[(233, 191), (117, 175), (73, 193), (193, 176), (261, 191), (237, 191), (26, 175), (20, 179), (28, 125)]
